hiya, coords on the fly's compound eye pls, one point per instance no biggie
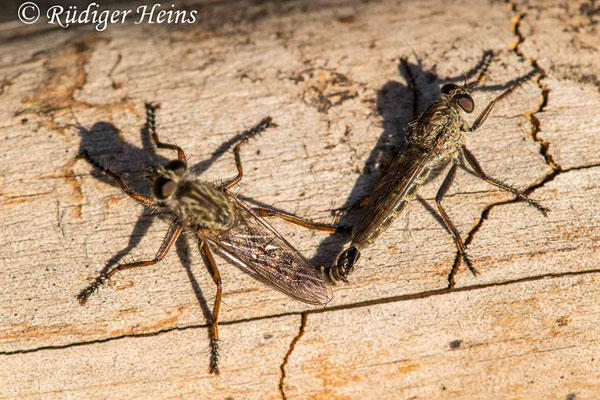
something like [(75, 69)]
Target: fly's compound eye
[(177, 166), (466, 102), (449, 88), (163, 188)]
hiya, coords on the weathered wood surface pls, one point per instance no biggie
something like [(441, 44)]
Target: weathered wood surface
[(329, 75)]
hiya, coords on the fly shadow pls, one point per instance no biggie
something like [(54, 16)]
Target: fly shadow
[(398, 105), (104, 144)]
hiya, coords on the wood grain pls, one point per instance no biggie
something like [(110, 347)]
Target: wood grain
[(329, 74)]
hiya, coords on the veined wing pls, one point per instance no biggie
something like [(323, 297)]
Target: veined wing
[(390, 193), (259, 250), (409, 169)]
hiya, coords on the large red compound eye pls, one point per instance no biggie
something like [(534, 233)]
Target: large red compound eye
[(466, 102), (163, 188), (449, 88)]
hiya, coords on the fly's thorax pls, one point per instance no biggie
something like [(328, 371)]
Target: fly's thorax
[(203, 205), (440, 118), (443, 121)]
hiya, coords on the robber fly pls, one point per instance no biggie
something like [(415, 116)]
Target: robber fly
[(435, 138), (222, 223)]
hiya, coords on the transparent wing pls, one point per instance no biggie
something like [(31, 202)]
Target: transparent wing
[(256, 248), (390, 192), (400, 180)]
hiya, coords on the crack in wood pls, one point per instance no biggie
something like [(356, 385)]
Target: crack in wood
[(367, 303), (289, 353), (545, 91), (549, 177), (535, 130)]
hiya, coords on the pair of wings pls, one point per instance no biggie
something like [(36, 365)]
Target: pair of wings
[(392, 188), (389, 191), (259, 250)]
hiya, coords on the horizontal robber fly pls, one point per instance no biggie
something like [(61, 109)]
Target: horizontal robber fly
[(434, 139), (222, 223)]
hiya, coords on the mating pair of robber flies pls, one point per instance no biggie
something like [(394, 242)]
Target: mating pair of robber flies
[(228, 226)]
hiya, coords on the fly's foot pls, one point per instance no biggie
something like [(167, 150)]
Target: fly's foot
[(214, 358), (541, 208), (84, 295), (469, 264)]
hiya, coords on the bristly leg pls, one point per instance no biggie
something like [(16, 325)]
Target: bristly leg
[(482, 175), (84, 295), (305, 223), (484, 65), (448, 222), (170, 238), (214, 358), (151, 125), (209, 260), (136, 196), (488, 109), (265, 123)]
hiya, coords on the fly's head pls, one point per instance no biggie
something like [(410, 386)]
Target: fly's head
[(166, 179), (460, 96), (201, 205)]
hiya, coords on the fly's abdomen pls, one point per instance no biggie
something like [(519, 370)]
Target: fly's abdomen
[(379, 215)]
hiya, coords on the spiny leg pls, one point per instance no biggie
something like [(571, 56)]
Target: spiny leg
[(330, 273), (316, 226), (246, 135), (482, 175), (136, 196), (267, 212), (170, 238), (484, 65), (448, 222), (486, 111), (151, 123), (210, 261)]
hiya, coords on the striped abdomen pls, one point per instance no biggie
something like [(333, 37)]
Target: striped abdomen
[(392, 191), (379, 216)]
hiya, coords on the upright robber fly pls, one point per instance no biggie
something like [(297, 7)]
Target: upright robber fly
[(222, 223), (434, 139)]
